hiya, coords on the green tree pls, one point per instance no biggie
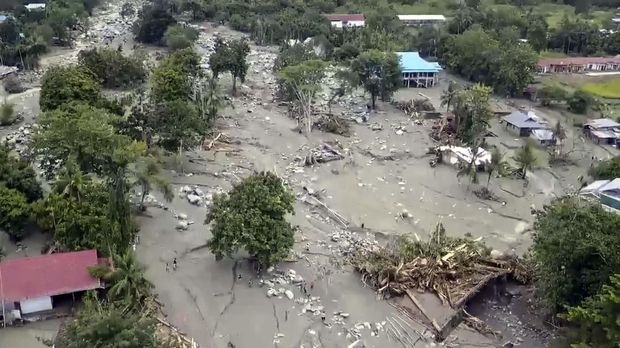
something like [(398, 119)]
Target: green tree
[(112, 68), (230, 56), (14, 212), (99, 326), (61, 85), (580, 102), (83, 224), (84, 132), (472, 113), (148, 175), (293, 55), (518, 63), (526, 158), (449, 94), (174, 78), (497, 163), (379, 74), (597, 318), (575, 251), (252, 216), (178, 124), (179, 37), (125, 276), (553, 93), (536, 34), (302, 83), (153, 21), (71, 181), (606, 170), (16, 173), (7, 114)]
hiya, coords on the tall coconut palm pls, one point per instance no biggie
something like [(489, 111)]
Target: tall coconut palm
[(71, 181), (526, 158), (497, 163), (125, 276), (149, 175), (448, 96)]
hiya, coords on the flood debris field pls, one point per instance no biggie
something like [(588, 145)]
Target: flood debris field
[(353, 192)]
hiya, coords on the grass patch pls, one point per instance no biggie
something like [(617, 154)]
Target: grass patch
[(607, 90), (551, 54)]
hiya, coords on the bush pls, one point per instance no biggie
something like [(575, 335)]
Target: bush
[(7, 114), (575, 251), (252, 216), (14, 212), (112, 68), (606, 170), (178, 37), (12, 85), (597, 318), (580, 102), (17, 174), (152, 24), (62, 84)]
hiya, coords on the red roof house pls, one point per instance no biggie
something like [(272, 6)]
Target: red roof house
[(36, 279), (346, 20)]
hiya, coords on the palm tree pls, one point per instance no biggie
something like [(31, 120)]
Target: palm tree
[(497, 163), (448, 95), (526, 158), (125, 276), (148, 175), (71, 181)]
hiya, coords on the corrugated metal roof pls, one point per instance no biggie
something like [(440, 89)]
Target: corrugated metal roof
[(578, 61), (602, 123), (521, 120), (345, 17), (543, 134), (47, 275), (412, 62), (421, 17)]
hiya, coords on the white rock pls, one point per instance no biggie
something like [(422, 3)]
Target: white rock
[(496, 254), (182, 225), (182, 216), (289, 294), (193, 199)]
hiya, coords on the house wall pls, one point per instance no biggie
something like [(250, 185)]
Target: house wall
[(420, 79), (36, 305), (421, 22), (348, 24)]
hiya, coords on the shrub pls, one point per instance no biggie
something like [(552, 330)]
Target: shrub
[(606, 170), (575, 251), (178, 37), (14, 212), (7, 114), (112, 67), (12, 85)]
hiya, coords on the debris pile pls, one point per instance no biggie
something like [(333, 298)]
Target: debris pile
[(453, 268), (322, 154), (444, 130), (350, 243), (197, 196), (333, 124), (20, 138), (415, 106)]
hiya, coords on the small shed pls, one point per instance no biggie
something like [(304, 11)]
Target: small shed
[(543, 137), (523, 123), (29, 285), (346, 20)]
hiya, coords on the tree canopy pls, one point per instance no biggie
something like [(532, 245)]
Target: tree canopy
[(230, 57), (112, 68), (153, 21), (606, 170), (62, 84), (16, 173), (252, 216), (14, 212), (379, 74), (575, 251)]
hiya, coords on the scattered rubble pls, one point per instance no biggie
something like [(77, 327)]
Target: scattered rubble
[(322, 154)]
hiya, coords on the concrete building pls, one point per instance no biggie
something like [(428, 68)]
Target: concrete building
[(30, 287), (346, 20), (422, 20), (523, 123), (416, 71), (578, 64), (603, 131)]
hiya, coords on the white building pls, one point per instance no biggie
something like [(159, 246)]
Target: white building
[(422, 20), (36, 6), (346, 20)]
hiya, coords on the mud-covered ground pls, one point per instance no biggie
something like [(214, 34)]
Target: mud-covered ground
[(383, 174)]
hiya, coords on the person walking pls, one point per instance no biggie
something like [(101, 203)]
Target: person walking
[(174, 264)]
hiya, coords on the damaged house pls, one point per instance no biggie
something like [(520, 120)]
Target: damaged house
[(603, 131), (523, 123), (461, 156)]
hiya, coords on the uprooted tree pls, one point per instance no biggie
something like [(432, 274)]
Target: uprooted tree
[(252, 216)]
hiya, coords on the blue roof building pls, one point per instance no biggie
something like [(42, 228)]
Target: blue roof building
[(416, 71)]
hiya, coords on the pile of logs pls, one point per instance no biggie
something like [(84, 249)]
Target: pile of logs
[(413, 106), (453, 268)]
